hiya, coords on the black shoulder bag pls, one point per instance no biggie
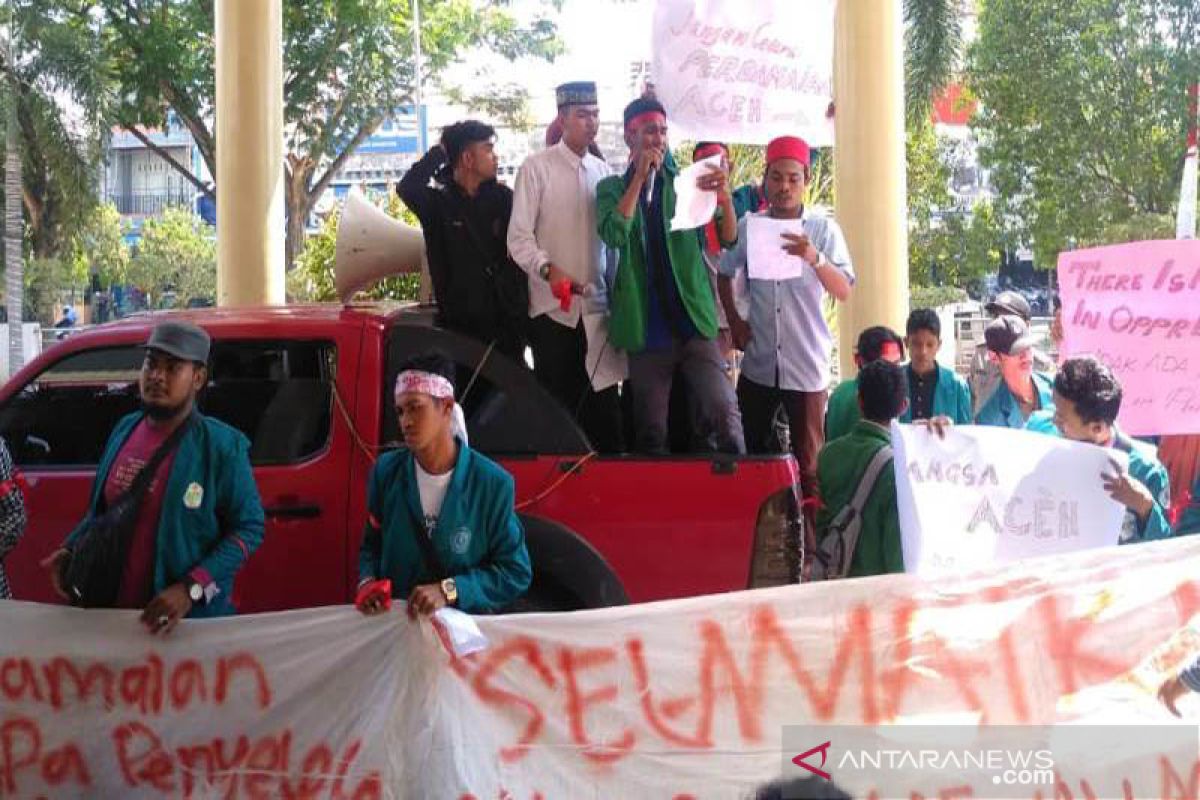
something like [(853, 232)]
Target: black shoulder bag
[(92, 574), (510, 284)]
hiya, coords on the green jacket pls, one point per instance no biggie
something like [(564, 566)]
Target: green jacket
[(839, 469), (842, 412), (951, 398), (478, 537), (1189, 520), (1001, 410), (218, 536), (628, 298), (1144, 467)]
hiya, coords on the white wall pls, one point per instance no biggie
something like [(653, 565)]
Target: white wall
[(32, 344)]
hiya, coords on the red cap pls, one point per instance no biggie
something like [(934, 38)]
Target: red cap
[(792, 147)]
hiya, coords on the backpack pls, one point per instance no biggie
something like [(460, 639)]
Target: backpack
[(833, 556)]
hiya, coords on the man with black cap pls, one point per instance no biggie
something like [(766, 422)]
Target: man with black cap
[(664, 314), (984, 376), (552, 236), (200, 517), (1021, 390), (464, 216)]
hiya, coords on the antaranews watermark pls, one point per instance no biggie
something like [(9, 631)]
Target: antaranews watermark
[(990, 761)]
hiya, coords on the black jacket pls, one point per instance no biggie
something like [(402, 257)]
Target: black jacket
[(479, 290)]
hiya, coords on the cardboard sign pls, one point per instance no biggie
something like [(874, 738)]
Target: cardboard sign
[(985, 496), (1136, 307)]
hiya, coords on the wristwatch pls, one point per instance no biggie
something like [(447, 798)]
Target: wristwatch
[(544, 271), (450, 590), (195, 591)]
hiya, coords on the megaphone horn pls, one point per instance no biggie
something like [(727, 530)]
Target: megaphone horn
[(372, 246)]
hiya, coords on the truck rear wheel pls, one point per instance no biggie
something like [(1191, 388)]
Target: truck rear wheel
[(568, 573)]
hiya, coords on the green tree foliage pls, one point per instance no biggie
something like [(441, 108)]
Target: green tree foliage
[(1083, 116), (507, 102), (58, 87), (48, 282), (99, 248), (947, 246), (176, 260), (347, 65), (312, 279)]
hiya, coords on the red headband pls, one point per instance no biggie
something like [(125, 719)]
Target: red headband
[(643, 118), (891, 351), (709, 150), (792, 147)]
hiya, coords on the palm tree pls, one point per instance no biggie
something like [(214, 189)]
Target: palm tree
[(933, 43), (14, 273)]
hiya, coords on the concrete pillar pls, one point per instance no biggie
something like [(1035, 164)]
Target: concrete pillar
[(249, 119), (869, 167)]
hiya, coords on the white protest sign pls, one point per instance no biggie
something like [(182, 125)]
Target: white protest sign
[(766, 259), (679, 699), (694, 206), (734, 71), (985, 495)]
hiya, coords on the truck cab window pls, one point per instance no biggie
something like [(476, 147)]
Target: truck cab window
[(277, 393), (62, 417)]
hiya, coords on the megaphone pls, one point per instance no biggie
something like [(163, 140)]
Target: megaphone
[(372, 246)]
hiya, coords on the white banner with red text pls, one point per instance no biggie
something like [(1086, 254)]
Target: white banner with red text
[(732, 71), (674, 700)]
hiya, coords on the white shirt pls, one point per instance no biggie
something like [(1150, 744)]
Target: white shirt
[(554, 222), (432, 489)]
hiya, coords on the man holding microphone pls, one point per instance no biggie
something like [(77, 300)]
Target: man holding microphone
[(663, 311)]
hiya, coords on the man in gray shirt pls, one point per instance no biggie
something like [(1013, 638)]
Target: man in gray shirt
[(787, 343)]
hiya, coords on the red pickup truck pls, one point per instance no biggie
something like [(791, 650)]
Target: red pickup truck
[(310, 386)]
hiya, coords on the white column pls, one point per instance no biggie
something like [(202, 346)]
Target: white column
[(249, 119), (869, 166)]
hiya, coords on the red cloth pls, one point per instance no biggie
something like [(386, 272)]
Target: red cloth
[(636, 123), (792, 147), (137, 579)]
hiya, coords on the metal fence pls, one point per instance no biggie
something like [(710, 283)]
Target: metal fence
[(148, 203)]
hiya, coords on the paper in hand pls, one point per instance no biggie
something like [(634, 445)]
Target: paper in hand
[(458, 632), (766, 260), (694, 207)]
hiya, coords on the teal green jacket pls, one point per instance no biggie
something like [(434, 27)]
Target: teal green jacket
[(951, 398), (478, 537), (1001, 410), (222, 533), (1189, 521), (628, 298), (1144, 467), (839, 469)]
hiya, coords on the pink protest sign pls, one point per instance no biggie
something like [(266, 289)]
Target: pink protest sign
[(1137, 307)]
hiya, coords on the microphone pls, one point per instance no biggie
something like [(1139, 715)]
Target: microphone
[(650, 179)]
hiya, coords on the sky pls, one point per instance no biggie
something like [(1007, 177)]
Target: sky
[(601, 38)]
